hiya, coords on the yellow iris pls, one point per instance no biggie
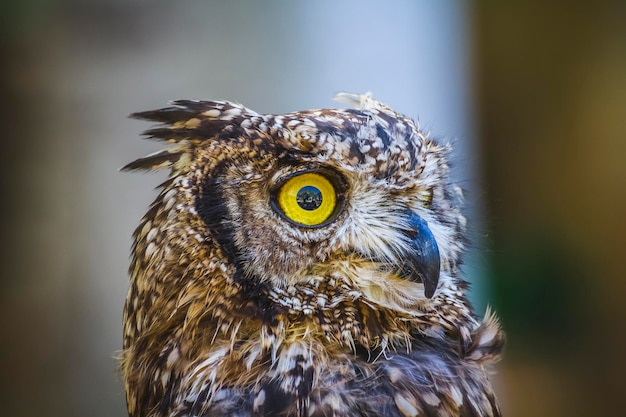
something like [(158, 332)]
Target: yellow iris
[(308, 199)]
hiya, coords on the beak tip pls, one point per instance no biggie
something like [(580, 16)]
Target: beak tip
[(430, 286)]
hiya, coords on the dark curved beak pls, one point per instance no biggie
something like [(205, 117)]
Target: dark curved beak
[(422, 263)]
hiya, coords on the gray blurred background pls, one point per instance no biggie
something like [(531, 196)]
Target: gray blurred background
[(532, 94)]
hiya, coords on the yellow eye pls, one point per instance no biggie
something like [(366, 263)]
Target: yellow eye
[(308, 199)]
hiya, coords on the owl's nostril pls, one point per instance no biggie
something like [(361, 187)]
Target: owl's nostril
[(422, 262)]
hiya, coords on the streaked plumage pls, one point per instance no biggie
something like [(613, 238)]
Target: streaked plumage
[(241, 303)]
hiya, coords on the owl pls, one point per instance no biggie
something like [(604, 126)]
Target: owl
[(304, 264)]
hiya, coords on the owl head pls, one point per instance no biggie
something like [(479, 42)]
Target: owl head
[(354, 199)]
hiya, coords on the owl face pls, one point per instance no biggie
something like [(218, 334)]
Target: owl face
[(355, 194)]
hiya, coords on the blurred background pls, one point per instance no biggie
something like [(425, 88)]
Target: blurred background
[(531, 93)]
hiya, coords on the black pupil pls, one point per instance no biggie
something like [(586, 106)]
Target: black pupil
[(309, 197)]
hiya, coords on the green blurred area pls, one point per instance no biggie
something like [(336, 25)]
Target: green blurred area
[(550, 100)]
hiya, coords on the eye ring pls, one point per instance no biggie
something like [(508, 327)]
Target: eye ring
[(308, 199)]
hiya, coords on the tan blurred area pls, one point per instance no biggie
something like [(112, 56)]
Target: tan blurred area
[(532, 93), (552, 98)]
